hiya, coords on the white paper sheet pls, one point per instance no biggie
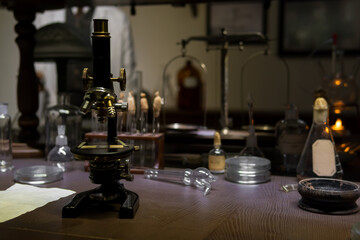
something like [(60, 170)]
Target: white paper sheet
[(21, 198)]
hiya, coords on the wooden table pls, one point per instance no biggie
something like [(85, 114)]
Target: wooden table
[(173, 211)]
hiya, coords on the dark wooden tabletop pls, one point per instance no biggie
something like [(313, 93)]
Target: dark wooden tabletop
[(174, 211)]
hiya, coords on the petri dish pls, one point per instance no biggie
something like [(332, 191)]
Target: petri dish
[(39, 174), (248, 169)]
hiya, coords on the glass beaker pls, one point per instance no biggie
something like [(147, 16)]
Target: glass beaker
[(63, 114), (5, 139)]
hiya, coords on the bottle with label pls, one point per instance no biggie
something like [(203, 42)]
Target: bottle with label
[(217, 156), (190, 88), (319, 157), (290, 135)]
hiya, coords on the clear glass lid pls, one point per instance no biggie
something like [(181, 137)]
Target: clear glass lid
[(39, 174), (248, 163)]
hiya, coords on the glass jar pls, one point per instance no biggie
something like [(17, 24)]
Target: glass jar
[(63, 114), (5, 139)]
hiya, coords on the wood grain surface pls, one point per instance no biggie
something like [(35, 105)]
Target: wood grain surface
[(174, 211)]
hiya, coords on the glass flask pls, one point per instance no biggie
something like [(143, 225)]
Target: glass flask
[(60, 155), (63, 114), (319, 157), (290, 134), (190, 88), (217, 156), (5, 139), (340, 87), (251, 148)]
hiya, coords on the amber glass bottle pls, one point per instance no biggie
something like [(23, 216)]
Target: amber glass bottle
[(190, 88)]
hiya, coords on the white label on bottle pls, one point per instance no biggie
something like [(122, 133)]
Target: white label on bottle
[(323, 158), (190, 82), (216, 163)]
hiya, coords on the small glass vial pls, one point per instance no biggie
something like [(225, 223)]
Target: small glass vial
[(120, 114), (131, 114), (60, 155), (5, 139), (144, 113), (291, 134), (156, 113), (319, 157), (217, 156)]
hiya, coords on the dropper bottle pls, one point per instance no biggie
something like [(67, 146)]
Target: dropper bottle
[(217, 156), (60, 155)]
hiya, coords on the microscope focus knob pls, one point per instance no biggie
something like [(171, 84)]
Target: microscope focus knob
[(121, 79)]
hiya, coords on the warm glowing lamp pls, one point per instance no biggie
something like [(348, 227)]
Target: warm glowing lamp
[(338, 125)]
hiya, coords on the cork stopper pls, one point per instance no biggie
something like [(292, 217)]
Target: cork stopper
[(144, 103), (157, 104), (320, 110), (320, 104), (217, 139)]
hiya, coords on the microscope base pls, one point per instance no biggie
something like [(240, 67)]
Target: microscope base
[(104, 195)]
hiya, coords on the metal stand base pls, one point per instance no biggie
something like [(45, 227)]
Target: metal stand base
[(107, 194)]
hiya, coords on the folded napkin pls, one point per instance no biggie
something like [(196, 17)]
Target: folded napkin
[(21, 198)]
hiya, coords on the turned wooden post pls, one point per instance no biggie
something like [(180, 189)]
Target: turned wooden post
[(27, 87)]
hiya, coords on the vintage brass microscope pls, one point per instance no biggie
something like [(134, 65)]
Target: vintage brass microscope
[(109, 161)]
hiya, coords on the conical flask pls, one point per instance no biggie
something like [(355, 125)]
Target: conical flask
[(319, 157), (63, 114)]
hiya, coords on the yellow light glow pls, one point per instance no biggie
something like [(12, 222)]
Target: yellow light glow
[(338, 125), (337, 111), (337, 82), (346, 149)]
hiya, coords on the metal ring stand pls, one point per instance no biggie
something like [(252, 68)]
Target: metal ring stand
[(165, 81)]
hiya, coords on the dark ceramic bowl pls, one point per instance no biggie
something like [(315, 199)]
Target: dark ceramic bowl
[(328, 195)]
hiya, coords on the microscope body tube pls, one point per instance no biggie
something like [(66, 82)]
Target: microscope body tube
[(101, 54), (101, 66)]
